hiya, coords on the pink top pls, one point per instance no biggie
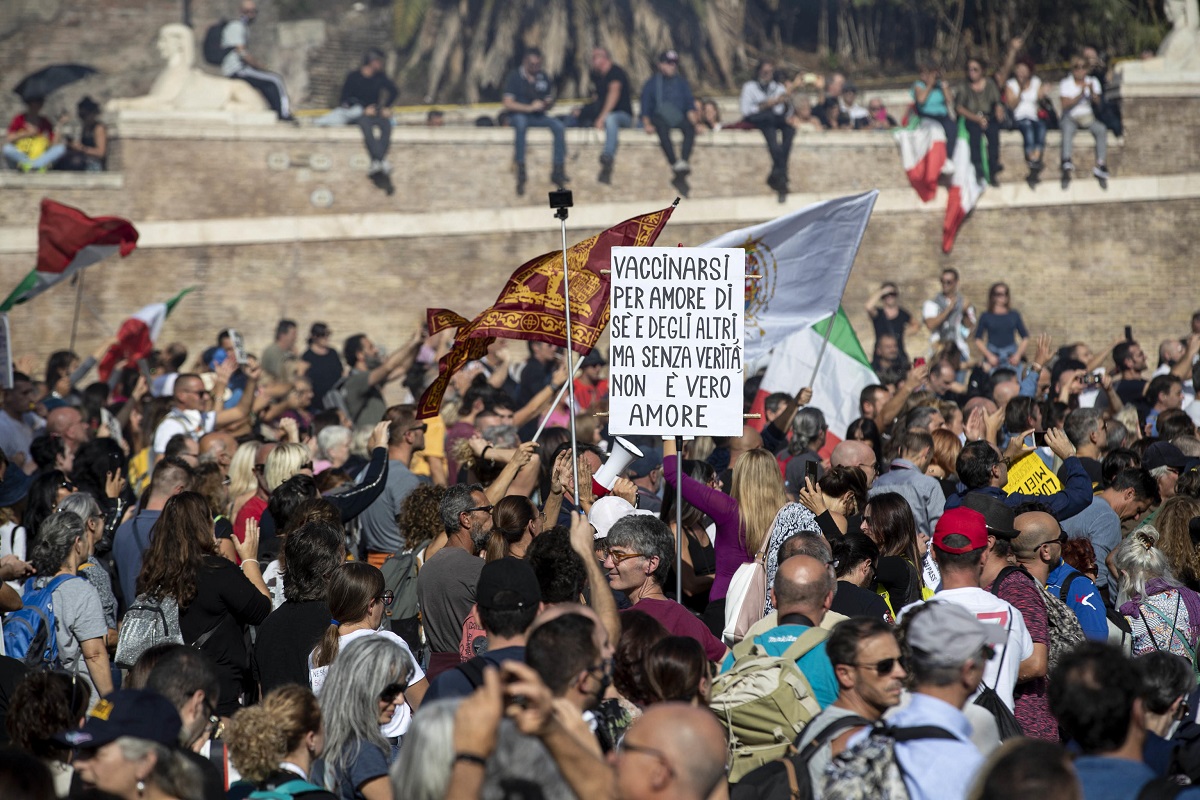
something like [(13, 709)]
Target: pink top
[(723, 510)]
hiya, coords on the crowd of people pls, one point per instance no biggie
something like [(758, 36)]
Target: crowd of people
[(358, 603)]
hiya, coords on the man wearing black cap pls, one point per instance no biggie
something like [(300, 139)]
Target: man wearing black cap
[(646, 474), (528, 95), (667, 103), (507, 599), (1166, 463)]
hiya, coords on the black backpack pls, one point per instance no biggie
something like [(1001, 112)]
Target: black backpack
[(787, 778), (214, 53)]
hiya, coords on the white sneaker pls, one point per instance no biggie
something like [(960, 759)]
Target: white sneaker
[(374, 168), (681, 167), (385, 166)]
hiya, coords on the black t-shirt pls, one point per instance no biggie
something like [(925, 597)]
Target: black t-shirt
[(894, 327), (1131, 391), (323, 372), (525, 92), (359, 90), (214, 781), (284, 641), (227, 601), (855, 601), (602, 82)]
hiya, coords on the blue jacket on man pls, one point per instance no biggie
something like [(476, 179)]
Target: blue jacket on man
[(1076, 494)]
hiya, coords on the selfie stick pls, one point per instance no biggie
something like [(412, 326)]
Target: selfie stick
[(561, 200), (679, 519)]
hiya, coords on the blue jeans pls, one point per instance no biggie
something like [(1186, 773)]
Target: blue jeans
[(1003, 353), (52, 154), (1034, 133), (614, 121), (522, 122)]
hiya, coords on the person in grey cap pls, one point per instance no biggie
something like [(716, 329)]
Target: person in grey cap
[(948, 651)]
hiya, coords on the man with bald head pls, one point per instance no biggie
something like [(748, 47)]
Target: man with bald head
[(67, 424), (802, 594), (1038, 548), (218, 447), (673, 750), (856, 453)]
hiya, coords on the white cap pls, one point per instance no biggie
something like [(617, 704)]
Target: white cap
[(607, 510)]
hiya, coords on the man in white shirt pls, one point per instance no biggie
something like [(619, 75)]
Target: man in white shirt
[(766, 104), (959, 543), (1081, 97), (185, 416), (239, 64), (949, 316)]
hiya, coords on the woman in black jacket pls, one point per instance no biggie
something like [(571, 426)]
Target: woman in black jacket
[(217, 600)]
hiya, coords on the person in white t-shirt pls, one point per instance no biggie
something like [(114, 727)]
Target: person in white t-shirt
[(1081, 98), (357, 599), (1022, 94), (959, 543)]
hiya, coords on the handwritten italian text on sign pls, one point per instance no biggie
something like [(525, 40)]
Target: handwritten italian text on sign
[(677, 341), (1030, 475)]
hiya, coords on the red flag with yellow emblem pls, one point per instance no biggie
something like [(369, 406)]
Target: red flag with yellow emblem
[(532, 305)]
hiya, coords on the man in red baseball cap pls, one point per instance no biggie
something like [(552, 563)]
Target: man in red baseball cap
[(959, 541)]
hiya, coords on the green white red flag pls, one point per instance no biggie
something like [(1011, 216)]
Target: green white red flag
[(137, 335), (70, 241)]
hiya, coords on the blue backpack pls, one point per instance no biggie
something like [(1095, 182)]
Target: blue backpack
[(30, 635)]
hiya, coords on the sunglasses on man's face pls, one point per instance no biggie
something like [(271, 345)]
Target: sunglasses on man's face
[(885, 666)]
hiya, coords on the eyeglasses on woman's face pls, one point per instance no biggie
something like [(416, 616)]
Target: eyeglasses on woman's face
[(618, 558)]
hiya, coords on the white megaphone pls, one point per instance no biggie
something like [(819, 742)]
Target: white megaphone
[(622, 455)]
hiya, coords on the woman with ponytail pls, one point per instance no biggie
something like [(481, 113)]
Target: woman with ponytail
[(516, 522), (274, 744), (357, 599)]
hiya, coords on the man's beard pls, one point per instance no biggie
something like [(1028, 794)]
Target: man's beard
[(479, 538)]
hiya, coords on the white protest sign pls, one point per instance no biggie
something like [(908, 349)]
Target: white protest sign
[(677, 341)]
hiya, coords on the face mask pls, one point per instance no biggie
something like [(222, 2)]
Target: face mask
[(374, 362)]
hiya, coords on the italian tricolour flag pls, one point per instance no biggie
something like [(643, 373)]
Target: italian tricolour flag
[(136, 338), (965, 186), (923, 154), (843, 373), (68, 242)]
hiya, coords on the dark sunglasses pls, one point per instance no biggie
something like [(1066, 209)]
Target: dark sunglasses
[(885, 666), (70, 487), (488, 509), (306, 465), (387, 598), (392, 691), (422, 428)]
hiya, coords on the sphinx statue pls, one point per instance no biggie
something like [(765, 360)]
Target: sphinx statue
[(1180, 48), (183, 87)]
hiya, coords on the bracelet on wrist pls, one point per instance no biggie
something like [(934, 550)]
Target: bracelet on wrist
[(470, 758), (483, 453)]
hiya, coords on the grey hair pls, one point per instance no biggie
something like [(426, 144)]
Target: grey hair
[(1188, 445), (502, 436), (806, 543), (80, 503), (350, 700), (648, 535), (332, 436), (931, 669), (55, 538), (1158, 472), (1082, 423), (1116, 435), (456, 501), (1138, 560), (807, 425), (172, 773), (362, 437), (422, 772)]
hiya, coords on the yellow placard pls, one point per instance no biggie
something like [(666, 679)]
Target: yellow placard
[(1030, 475)]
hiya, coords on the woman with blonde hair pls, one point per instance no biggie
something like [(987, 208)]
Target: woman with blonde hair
[(1175, 540), (286, 460), (274, 744), (242, 484), (743, 517), (1163, 614)]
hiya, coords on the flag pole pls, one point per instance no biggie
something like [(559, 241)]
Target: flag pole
[(824, 344), (557, 399), (78, 302), (561, 201), (679, 519)]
